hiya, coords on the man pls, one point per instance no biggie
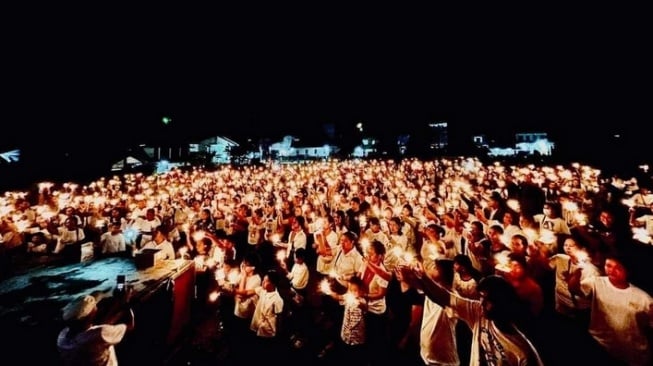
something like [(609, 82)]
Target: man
[(495, 340), (82, 342), (621, 315)]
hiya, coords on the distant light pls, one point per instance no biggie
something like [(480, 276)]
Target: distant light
[(166, 120), (617, 136)]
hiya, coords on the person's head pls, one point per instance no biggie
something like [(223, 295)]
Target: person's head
[(356, 286), (395, 225), (570, 246), (270, 281), (434, 232), (508, 219), (518, 266), (160, 235), (81, 310), (616, 268), (150, 214), (229, 264), (38, 238), (298, 223), (375, 224), (462, 264), (114, 227), (476, 229), (300, 255), (249, 263), (355, 203), (519, 244), (347, 241), (499, 300), (494, 233), (205, 214), (71, 223), (407, 210), (375, 252)]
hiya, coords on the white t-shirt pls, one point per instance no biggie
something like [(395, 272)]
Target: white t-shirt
[(94, 346), (489, 342), (616, 319), (268, 307), (245, 307), (113, 243), (437, 338), (298, 276), (562, 265)]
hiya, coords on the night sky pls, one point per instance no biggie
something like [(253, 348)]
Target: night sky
[(113, 79)]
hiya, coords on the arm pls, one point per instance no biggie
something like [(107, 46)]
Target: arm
[(381, 272), (433, 290)]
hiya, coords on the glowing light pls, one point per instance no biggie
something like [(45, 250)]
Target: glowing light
[(281, 255), (325, 287), (213, 296), (350, 299)]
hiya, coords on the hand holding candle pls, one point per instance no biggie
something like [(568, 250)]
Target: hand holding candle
[(325, 287)]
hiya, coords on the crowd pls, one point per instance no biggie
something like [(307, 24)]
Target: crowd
[(441, 262)]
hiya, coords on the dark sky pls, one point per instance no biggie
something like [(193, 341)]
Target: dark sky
[(67, 82)]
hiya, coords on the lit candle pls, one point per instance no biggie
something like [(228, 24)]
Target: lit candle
[(281, 255), (213, 296), (325, 287), (350, 299)]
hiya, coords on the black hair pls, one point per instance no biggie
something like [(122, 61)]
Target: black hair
[(300, 253), (273, 277)]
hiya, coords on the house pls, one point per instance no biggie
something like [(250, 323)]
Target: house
[(366, 148), (529, 143), (218, 146), (292, 148)]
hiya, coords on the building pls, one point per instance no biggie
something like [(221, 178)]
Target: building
[(366, 148), (440, 135), (293, 148), (532, 143), (218, 146), (528, 143)]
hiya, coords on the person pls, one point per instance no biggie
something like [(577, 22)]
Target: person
[(83, 343), (621, 315), (496, 340), (265, 322)]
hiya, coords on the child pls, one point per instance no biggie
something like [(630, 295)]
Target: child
[(352, 332), (298, 278), (265, 321)]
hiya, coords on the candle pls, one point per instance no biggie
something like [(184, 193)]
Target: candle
[(325, 287), (350, 299), (281, 255)]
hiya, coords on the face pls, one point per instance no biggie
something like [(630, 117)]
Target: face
[(606, 219), (267, 285), (517, 246), (373, 257), (354, 289), (570, 247), (615, 271), (516, 270), (346, 243), (546, 210)]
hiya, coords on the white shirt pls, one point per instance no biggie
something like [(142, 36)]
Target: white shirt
[(615, 320), (113, 243), (268, 307), (166, 250), (298, 276), (94, 346)]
